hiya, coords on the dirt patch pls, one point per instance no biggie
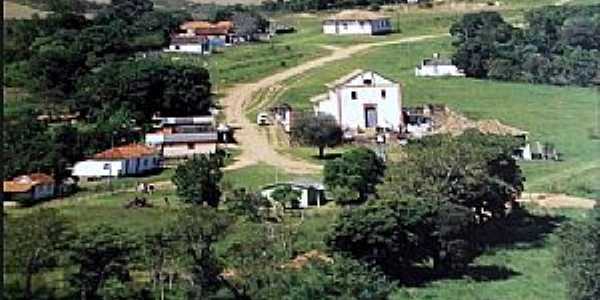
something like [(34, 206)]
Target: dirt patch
[(454, 123), (17, 11), (557, 200), (302, 260)]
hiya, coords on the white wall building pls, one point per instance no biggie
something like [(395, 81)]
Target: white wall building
[(189, 44), (362, 99), (131, 159), (311, 193), (179, 137), (357, 22), (437, 66)]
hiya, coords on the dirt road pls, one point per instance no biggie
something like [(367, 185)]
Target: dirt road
[(255, 146)]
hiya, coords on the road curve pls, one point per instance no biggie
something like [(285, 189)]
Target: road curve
[(255, 147)]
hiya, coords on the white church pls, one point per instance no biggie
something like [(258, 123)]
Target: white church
[(361, 100)]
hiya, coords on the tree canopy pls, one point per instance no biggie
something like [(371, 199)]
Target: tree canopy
[(320, 131), (557, 46), (197, 180)]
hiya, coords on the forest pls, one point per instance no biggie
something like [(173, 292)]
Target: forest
[(557, 45)]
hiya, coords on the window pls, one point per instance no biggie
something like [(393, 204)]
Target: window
[(177, 47), (353, 95), (362, 24), (367, 81), (145, 162), (345, 25), (190, 146), (383, 94)]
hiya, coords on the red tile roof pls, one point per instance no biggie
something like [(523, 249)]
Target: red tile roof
[(128, 151), (24, 183), (196, 25)]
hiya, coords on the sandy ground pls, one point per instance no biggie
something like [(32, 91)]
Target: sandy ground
[(557, 200), (17, 11), (255, 145)]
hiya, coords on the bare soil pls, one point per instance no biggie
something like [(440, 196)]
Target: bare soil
[(548, 200)]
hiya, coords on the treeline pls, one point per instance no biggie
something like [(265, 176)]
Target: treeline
[(98, 69), (307, 5), (557, 45), (60, 5)]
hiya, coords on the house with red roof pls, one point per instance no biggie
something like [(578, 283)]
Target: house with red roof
[(128, 160), (30, 187)]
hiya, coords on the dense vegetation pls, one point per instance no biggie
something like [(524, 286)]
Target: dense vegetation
[(307, 5), (579, 256), (558, 46), (70, 65)]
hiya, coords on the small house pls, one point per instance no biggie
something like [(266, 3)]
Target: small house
[(189, 44), (132, 159), (312, 194), (179, 137), (283, 115), (362, 100), (437, 66), (357, 22), (32, 187)]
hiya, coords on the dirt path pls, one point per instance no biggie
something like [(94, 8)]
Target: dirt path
[(548, 200), (254, 145)]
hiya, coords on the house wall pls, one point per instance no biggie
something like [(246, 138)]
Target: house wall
[(444, 70), (43, 191), (183, 149), (350, 113), (95, 168), (188, 48), (356, 27)]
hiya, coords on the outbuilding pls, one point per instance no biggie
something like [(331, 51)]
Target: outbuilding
[(357, 22), (312, 194), (32, 187)]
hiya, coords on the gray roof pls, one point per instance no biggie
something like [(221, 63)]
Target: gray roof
[(437, 62)]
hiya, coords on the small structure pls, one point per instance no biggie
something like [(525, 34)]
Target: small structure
[(132, 159), (32, 187), (437, 66), (357, 22), (189, 44), (418, 121), (262, 119), (179, 137), (361, 100), (312, 193)]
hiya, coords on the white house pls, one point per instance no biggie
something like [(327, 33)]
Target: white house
[(312, 193), (34, 186), (178, 137), (437, 66), (362, 99), (189, 44), (357, 22), (126, 160)]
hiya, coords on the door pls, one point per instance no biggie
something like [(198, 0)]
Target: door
[(370, 116)]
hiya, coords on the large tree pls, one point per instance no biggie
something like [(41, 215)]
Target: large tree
[(358, 170), (100, 255), (473, 170), (197, 180), (34, 243), (320, 131)]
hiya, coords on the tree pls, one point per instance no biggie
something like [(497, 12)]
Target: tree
[(286, 196), (197, 180), (475, 37), (338, 278), (100, 255), (579, 256), (198, 229), (474, 170), (34, 243), (358, 170), (246, 205), (320, 131)]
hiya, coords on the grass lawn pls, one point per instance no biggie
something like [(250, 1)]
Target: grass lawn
[(563, 116)]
